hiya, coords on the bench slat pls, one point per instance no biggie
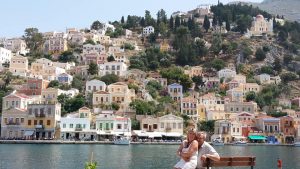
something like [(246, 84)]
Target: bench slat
[(231, 161), (236, 158), (235, 163)]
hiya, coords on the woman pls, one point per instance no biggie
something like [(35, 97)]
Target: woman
[(188, 151)]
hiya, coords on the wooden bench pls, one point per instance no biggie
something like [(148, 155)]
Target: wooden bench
[(230, 162)]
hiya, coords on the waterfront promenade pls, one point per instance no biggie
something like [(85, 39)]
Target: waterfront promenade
[(111, 142)]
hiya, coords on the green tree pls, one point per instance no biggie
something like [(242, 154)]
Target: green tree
[(34, 39), (207, 126), (177, 22), (228, 26), (115, 106), (244, 23), (171, 23), (135, 124), (260, 55), (89, 41), (266, 69), (67, 56), (93, 69), (277, 65), (110, 58), (96, 25), (54, 84), (218, 64), (287, 59), (109, 79), (122, 20), (216, 43), (206, 23), (143, 107), (287, 77), (77, 83), (142, 22), (91, 165), (250, 96), (247, 52)]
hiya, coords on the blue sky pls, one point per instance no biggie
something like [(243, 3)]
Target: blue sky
[(50, 15)]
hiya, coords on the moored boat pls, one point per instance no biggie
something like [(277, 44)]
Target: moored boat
[(297, 144), (217, 142), (122, 141), (240, 143)]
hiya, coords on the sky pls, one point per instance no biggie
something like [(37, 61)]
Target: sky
[(57, 15)]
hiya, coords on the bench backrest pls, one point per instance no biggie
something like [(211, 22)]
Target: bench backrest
[(230, 161)]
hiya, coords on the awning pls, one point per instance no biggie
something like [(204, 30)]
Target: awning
[(239, 137), (154, 134), (172, 134), (123, 133), (28, 133), (256, 137), (140, 133)]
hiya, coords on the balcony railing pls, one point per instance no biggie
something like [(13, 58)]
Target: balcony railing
[(40, 126), (12, 123), (40, 115), (78, 129)]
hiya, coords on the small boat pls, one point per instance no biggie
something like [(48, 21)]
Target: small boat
[(217, 142), (297, 144), (122, 141), (240, 143)]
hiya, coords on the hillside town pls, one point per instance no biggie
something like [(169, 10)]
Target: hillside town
[(237, 77)]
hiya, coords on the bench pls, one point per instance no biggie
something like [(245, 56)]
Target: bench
[(230, 162)]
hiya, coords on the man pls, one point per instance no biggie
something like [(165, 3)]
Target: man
[(205, 150)]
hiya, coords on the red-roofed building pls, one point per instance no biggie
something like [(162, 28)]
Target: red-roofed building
[(34, 87), (16, 100)]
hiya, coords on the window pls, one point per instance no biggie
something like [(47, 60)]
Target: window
[(111, 125), (154, 126), (41, 122), (275, 128), (17, 120), (145, 126), (83, 126), (22, 120), (119, 126), (162, 125), (71, 126), (106, 126), (266, 128), (100, 126), (64, 125), (48, 122), (179, 125), (49, 110), (35, 122), (238, 130), (29, 122), (174, 125), (125, 126), (233, 129)]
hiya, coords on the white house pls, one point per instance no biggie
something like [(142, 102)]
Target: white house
[(5, 55), (94, 85), (148, 30), (117, 68), (263, 78), (226, 74), (77, 126)]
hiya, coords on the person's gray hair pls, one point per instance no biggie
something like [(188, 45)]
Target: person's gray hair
[(204, 134)]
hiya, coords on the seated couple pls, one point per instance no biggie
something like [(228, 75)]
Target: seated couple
[(194, 151)]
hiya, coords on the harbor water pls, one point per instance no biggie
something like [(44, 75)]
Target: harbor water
[(74, 156)]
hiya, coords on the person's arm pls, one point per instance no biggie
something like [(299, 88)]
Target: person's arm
[(193, 148), (212, 154), (178, 152)]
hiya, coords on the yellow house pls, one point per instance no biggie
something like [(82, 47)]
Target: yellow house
[(43, 120), (201, 112), (120, 93)]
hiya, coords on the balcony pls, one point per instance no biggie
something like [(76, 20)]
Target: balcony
[(168, 129), (40, 115), (40, 126), (13, 123), (78, 129)]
